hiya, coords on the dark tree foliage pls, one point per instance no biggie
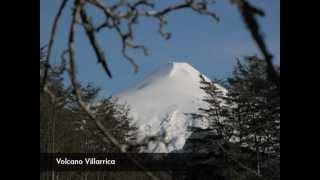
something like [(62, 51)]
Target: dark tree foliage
[(114, 117), (257, 103), (256, 109), (253, 116), (246, 119), (217, 111), (64, 126)]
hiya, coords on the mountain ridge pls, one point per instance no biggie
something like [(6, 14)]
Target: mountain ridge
[(162, 102)]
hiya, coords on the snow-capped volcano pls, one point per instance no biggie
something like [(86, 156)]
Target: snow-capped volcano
[(161, 104)]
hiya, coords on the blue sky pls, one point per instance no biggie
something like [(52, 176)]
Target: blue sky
[(209, 46)]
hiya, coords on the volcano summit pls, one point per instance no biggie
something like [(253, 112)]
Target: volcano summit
[(161, 104)]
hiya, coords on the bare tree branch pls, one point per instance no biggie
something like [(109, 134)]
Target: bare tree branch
[(121, 16), (200, 7), (107, 135), (123, 21), (90, 30), (73, 76), (51, 41), (115, 19), (249, 13)]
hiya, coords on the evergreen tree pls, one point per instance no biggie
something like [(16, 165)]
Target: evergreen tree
[(257, 109), (115, 118), (257, 103), (215, 113), (248, 117), (65, 127)]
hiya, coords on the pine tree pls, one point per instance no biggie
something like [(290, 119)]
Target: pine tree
[(247, 118), (65, 127), (256, 109), (257, 103), (115, 118), (215, 113)]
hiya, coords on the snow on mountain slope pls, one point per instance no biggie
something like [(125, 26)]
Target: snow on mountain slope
[(161, 103)]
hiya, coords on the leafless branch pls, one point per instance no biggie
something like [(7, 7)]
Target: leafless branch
[(90, 30), (73, 76), (200, 7), (249, 13), (114, 19), (121, 16), (51, 41), (74, 80)]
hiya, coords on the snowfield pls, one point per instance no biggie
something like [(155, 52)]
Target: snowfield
[(161, 105)]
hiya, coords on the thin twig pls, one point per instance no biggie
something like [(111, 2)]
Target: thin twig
[(115, 19), (199, 7)]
